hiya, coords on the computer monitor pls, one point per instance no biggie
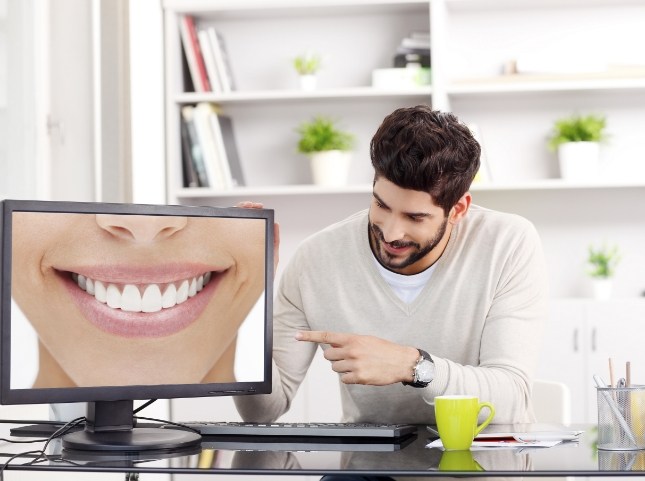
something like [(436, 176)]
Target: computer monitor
[(133, 302)]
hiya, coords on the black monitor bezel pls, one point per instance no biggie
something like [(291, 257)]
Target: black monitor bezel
[(134, 392)]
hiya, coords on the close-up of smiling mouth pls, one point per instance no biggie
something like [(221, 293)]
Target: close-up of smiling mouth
[(143, 297), (141, 308)]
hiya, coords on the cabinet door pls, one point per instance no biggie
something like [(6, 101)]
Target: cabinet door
[(616, 331), (564, 352)]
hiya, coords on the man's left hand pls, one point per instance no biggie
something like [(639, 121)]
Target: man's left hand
[(363, 359)]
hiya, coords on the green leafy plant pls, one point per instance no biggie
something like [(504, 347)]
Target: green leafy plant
[(603, 261), (321, 134), (307, 63), (578, 128)]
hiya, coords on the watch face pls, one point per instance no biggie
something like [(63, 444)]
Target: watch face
[(425, 371)]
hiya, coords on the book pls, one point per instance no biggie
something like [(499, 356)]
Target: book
[(187, 163), (209, 61), (225, 139), (197, 155), (416, 40), (193, 53), (224, 167), (232, 153), (215, 167), (221, 58)]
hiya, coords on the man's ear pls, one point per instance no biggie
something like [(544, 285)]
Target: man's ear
[(460, 209)]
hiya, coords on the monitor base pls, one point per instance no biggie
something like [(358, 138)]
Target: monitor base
[(135, 440)]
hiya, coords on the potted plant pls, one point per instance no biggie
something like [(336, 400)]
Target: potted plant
[(307, 65), (602, 264), (577, 140), (329, 149)]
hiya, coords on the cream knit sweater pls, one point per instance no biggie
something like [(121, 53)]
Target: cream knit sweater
[(480, 317)]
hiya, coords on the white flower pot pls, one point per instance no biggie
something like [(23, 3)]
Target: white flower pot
[(602, 289), (579, 160), (308, 82), (330, 168)]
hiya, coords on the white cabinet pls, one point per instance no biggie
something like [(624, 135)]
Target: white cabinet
[(581, 337)]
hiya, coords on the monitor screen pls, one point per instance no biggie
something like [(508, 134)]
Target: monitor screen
[(129, 302)]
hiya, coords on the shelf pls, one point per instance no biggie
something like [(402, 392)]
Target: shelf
[(556, 184), (548, 83), (253, 9), (284, 190), (269, 96), (474, 5), (309, 189)]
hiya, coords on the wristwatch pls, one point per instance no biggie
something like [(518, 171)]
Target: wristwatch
[(423, 370)]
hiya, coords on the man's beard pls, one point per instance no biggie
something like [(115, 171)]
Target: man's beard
[(388, 261)]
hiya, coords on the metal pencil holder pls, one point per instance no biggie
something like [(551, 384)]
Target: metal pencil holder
[(621, 418)]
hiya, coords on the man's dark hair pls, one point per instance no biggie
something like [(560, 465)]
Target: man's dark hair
[(426, 150)]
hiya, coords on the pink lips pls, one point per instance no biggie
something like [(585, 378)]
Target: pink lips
[(394, 250), (142, 324)]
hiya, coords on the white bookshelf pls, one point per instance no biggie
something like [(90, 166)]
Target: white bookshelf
[(469, 45)]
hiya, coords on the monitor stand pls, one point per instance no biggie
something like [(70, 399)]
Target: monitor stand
[(110, 428)]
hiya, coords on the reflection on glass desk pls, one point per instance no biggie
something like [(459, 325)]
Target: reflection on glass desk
[(408, 457)]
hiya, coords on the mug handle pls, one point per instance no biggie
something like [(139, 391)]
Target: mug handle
[(490, 417)]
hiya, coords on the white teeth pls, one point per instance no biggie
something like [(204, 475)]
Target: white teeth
[(129, 297), (113, 297), (100, 292), (169, 298), (182, 292), (151, 300)]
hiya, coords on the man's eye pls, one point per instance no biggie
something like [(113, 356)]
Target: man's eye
[(414, 218)]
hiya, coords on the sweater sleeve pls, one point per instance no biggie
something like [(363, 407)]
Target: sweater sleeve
[(291, 358), (510, 339)]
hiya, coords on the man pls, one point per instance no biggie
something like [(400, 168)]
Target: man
[(421, 295)]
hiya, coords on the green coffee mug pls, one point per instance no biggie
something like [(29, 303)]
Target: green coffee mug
[(456, 418)]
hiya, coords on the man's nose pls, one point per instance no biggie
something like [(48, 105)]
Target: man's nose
[(392, 230)]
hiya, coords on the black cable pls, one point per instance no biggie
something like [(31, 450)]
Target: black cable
[(143, 406), (42, 455), (170, 423)]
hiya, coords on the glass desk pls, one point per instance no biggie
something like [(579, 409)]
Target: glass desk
[(408, 458)]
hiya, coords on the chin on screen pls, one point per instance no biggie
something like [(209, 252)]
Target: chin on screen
[(112, 303)]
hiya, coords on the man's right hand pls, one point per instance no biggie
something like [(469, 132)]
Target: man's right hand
[(247, 204)]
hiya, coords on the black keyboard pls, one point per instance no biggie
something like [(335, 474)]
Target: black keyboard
[(308, 429)]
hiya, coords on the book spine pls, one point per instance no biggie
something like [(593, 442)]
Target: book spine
[(221, 60), (209, 61), (207, 141), (188, 120), (232, 153), (221, 151), (202, 77), (188, 165), (189, 53)]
